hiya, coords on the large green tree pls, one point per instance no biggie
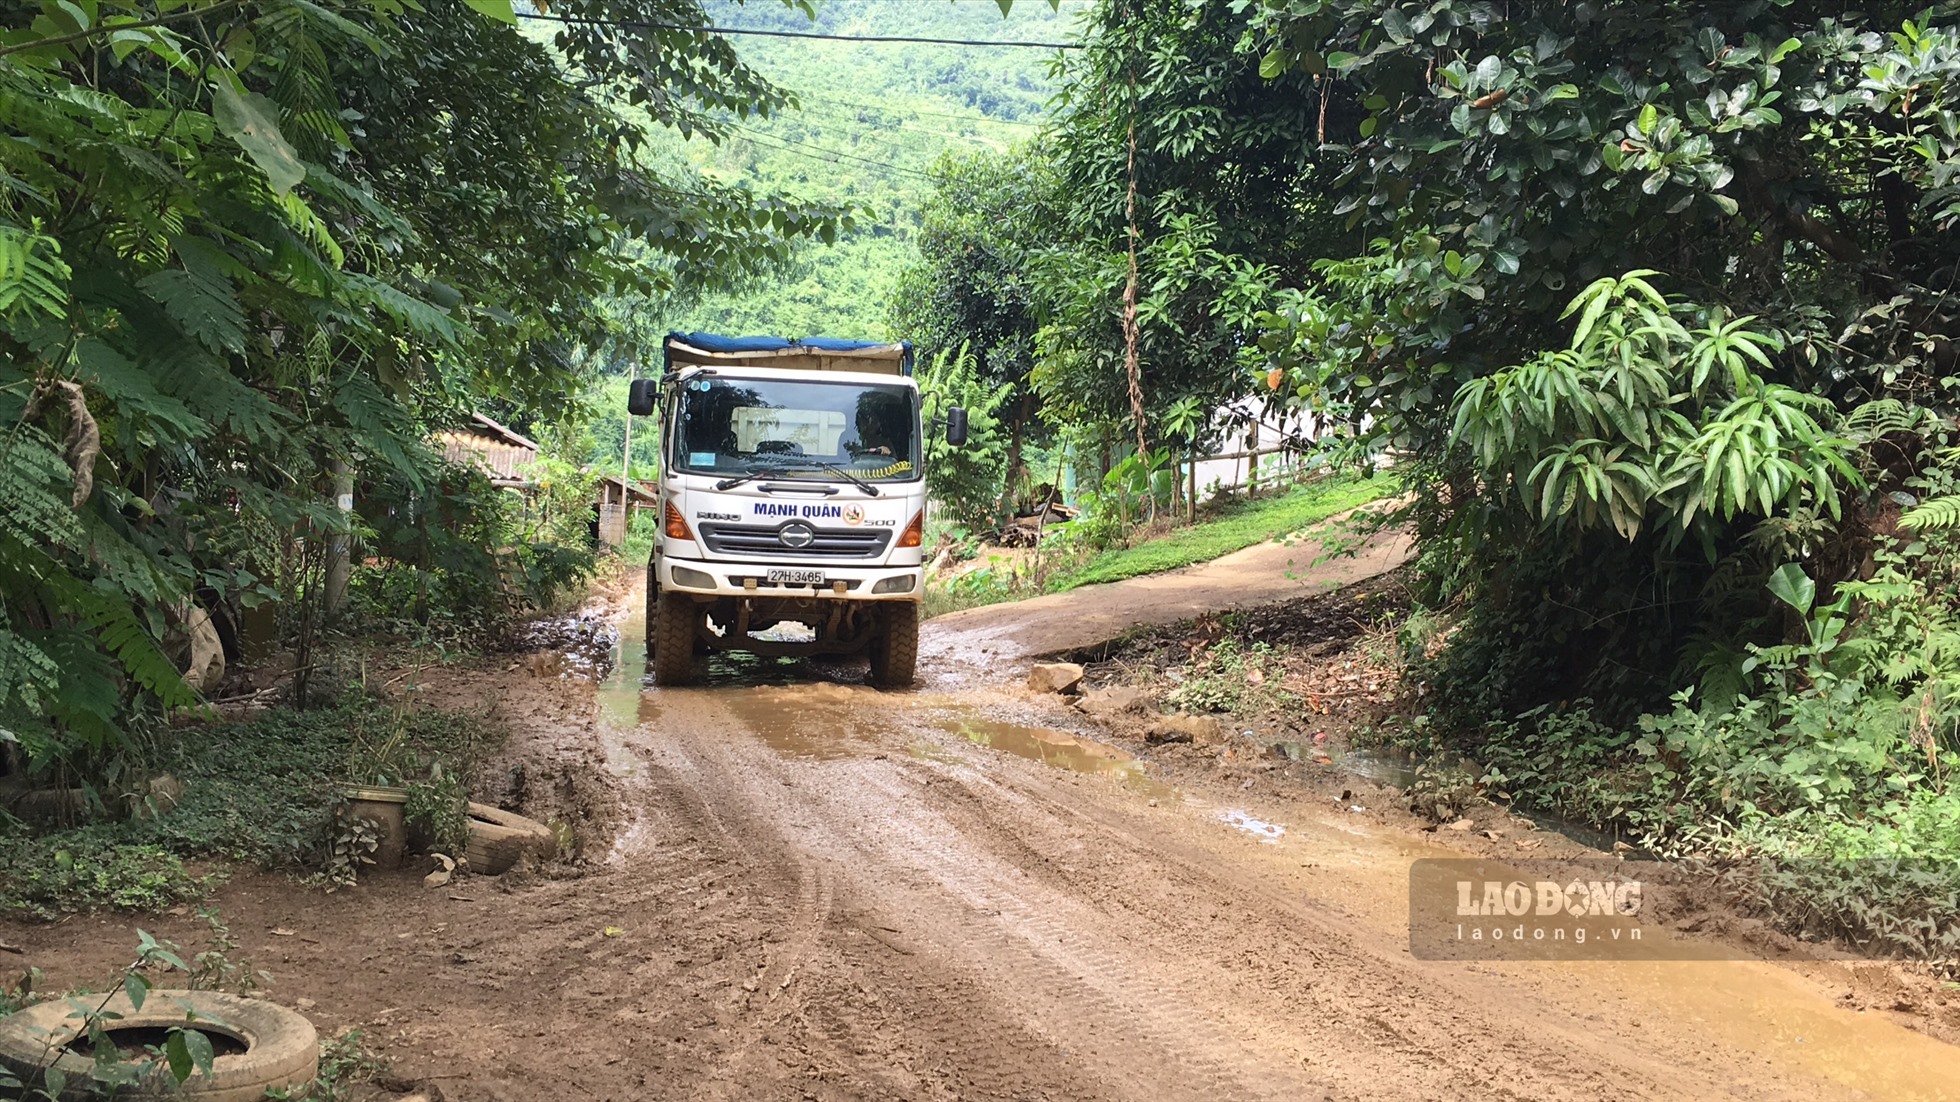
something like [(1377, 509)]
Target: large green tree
[(988, 216), (240, 242), (1784, 170), (1166, 126)]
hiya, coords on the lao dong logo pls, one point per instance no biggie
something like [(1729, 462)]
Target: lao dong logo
[(1529, 909), (808, 512), (1547, 899)]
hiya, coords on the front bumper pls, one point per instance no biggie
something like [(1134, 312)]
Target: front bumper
[(749, 579)]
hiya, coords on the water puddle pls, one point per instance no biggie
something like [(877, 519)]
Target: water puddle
[(1061, 749), (1389, 766), (1268, 833), (821, 721)]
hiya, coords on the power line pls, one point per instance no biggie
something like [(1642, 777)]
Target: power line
[(652, 25)]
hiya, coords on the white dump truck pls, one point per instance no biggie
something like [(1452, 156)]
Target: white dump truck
[(792, 501)]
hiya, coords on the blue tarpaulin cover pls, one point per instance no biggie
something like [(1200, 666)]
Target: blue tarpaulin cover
[(715, 342)]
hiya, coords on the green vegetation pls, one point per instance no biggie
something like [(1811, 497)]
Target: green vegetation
[(262, 791), (870, 125), (243, 244), (1653, 303), (1708, 487), (1237, 526), (1230, 676), (968, 485)]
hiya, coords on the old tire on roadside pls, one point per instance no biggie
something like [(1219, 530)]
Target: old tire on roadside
[(672, 643), (895, 649), (499, 839), (282, 1049)]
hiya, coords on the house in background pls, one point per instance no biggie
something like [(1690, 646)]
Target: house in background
[(507, 456), (615, 502)]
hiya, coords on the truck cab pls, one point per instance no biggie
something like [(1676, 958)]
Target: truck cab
[(792, 502)]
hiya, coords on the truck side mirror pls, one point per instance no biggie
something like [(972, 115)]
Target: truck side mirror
[(956, 427), (642, 396)]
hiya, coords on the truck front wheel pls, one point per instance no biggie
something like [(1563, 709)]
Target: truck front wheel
[(895, 648), (670, 639)]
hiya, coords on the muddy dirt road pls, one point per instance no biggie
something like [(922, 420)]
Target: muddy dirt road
[(818, 891)]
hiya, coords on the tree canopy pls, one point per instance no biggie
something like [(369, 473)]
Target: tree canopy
[(240, 241)]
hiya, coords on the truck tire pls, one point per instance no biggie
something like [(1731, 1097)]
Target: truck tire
[(895, 649), (653, 598), (673, 618)]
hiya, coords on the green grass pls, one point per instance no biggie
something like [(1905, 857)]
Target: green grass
[(1239, 527)]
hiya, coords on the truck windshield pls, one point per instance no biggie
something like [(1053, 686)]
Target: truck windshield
[(794, 429)]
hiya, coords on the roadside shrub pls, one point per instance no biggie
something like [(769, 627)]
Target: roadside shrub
[(1228, 676), (1560, 760), (455, 553), (88, 867), (262, 792)]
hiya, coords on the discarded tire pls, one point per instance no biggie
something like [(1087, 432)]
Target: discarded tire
[(277, 1048), (499, 838)]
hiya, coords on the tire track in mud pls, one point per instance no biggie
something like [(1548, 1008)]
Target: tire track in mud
[(1147, 1030), (932, 1027), (1213, 986), (675, 790), (1146, 1025), (1225, 923), (968, 925), (1290, 960)]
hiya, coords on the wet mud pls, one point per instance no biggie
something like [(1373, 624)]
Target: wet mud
[(813, 890)]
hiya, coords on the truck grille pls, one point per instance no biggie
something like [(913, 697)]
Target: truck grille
[(828, 543)]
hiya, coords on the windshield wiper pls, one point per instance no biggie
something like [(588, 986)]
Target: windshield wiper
[(754, 473), (784, 468), (855, 480)]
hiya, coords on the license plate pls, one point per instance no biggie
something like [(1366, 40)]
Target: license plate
[(796, 577)]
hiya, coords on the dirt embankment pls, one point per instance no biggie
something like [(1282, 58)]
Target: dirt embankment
[(1057, 623)]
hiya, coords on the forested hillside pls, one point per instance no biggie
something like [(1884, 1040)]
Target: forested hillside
[(870, 122)]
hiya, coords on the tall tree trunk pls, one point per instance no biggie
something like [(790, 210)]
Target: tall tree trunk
[(1016, 467), (1131, 369), (1194, 482)]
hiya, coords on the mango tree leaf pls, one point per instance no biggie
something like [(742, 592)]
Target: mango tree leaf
[(251, 120)]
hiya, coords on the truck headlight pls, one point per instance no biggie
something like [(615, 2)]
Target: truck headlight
[(901, 584), (695, 578)]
